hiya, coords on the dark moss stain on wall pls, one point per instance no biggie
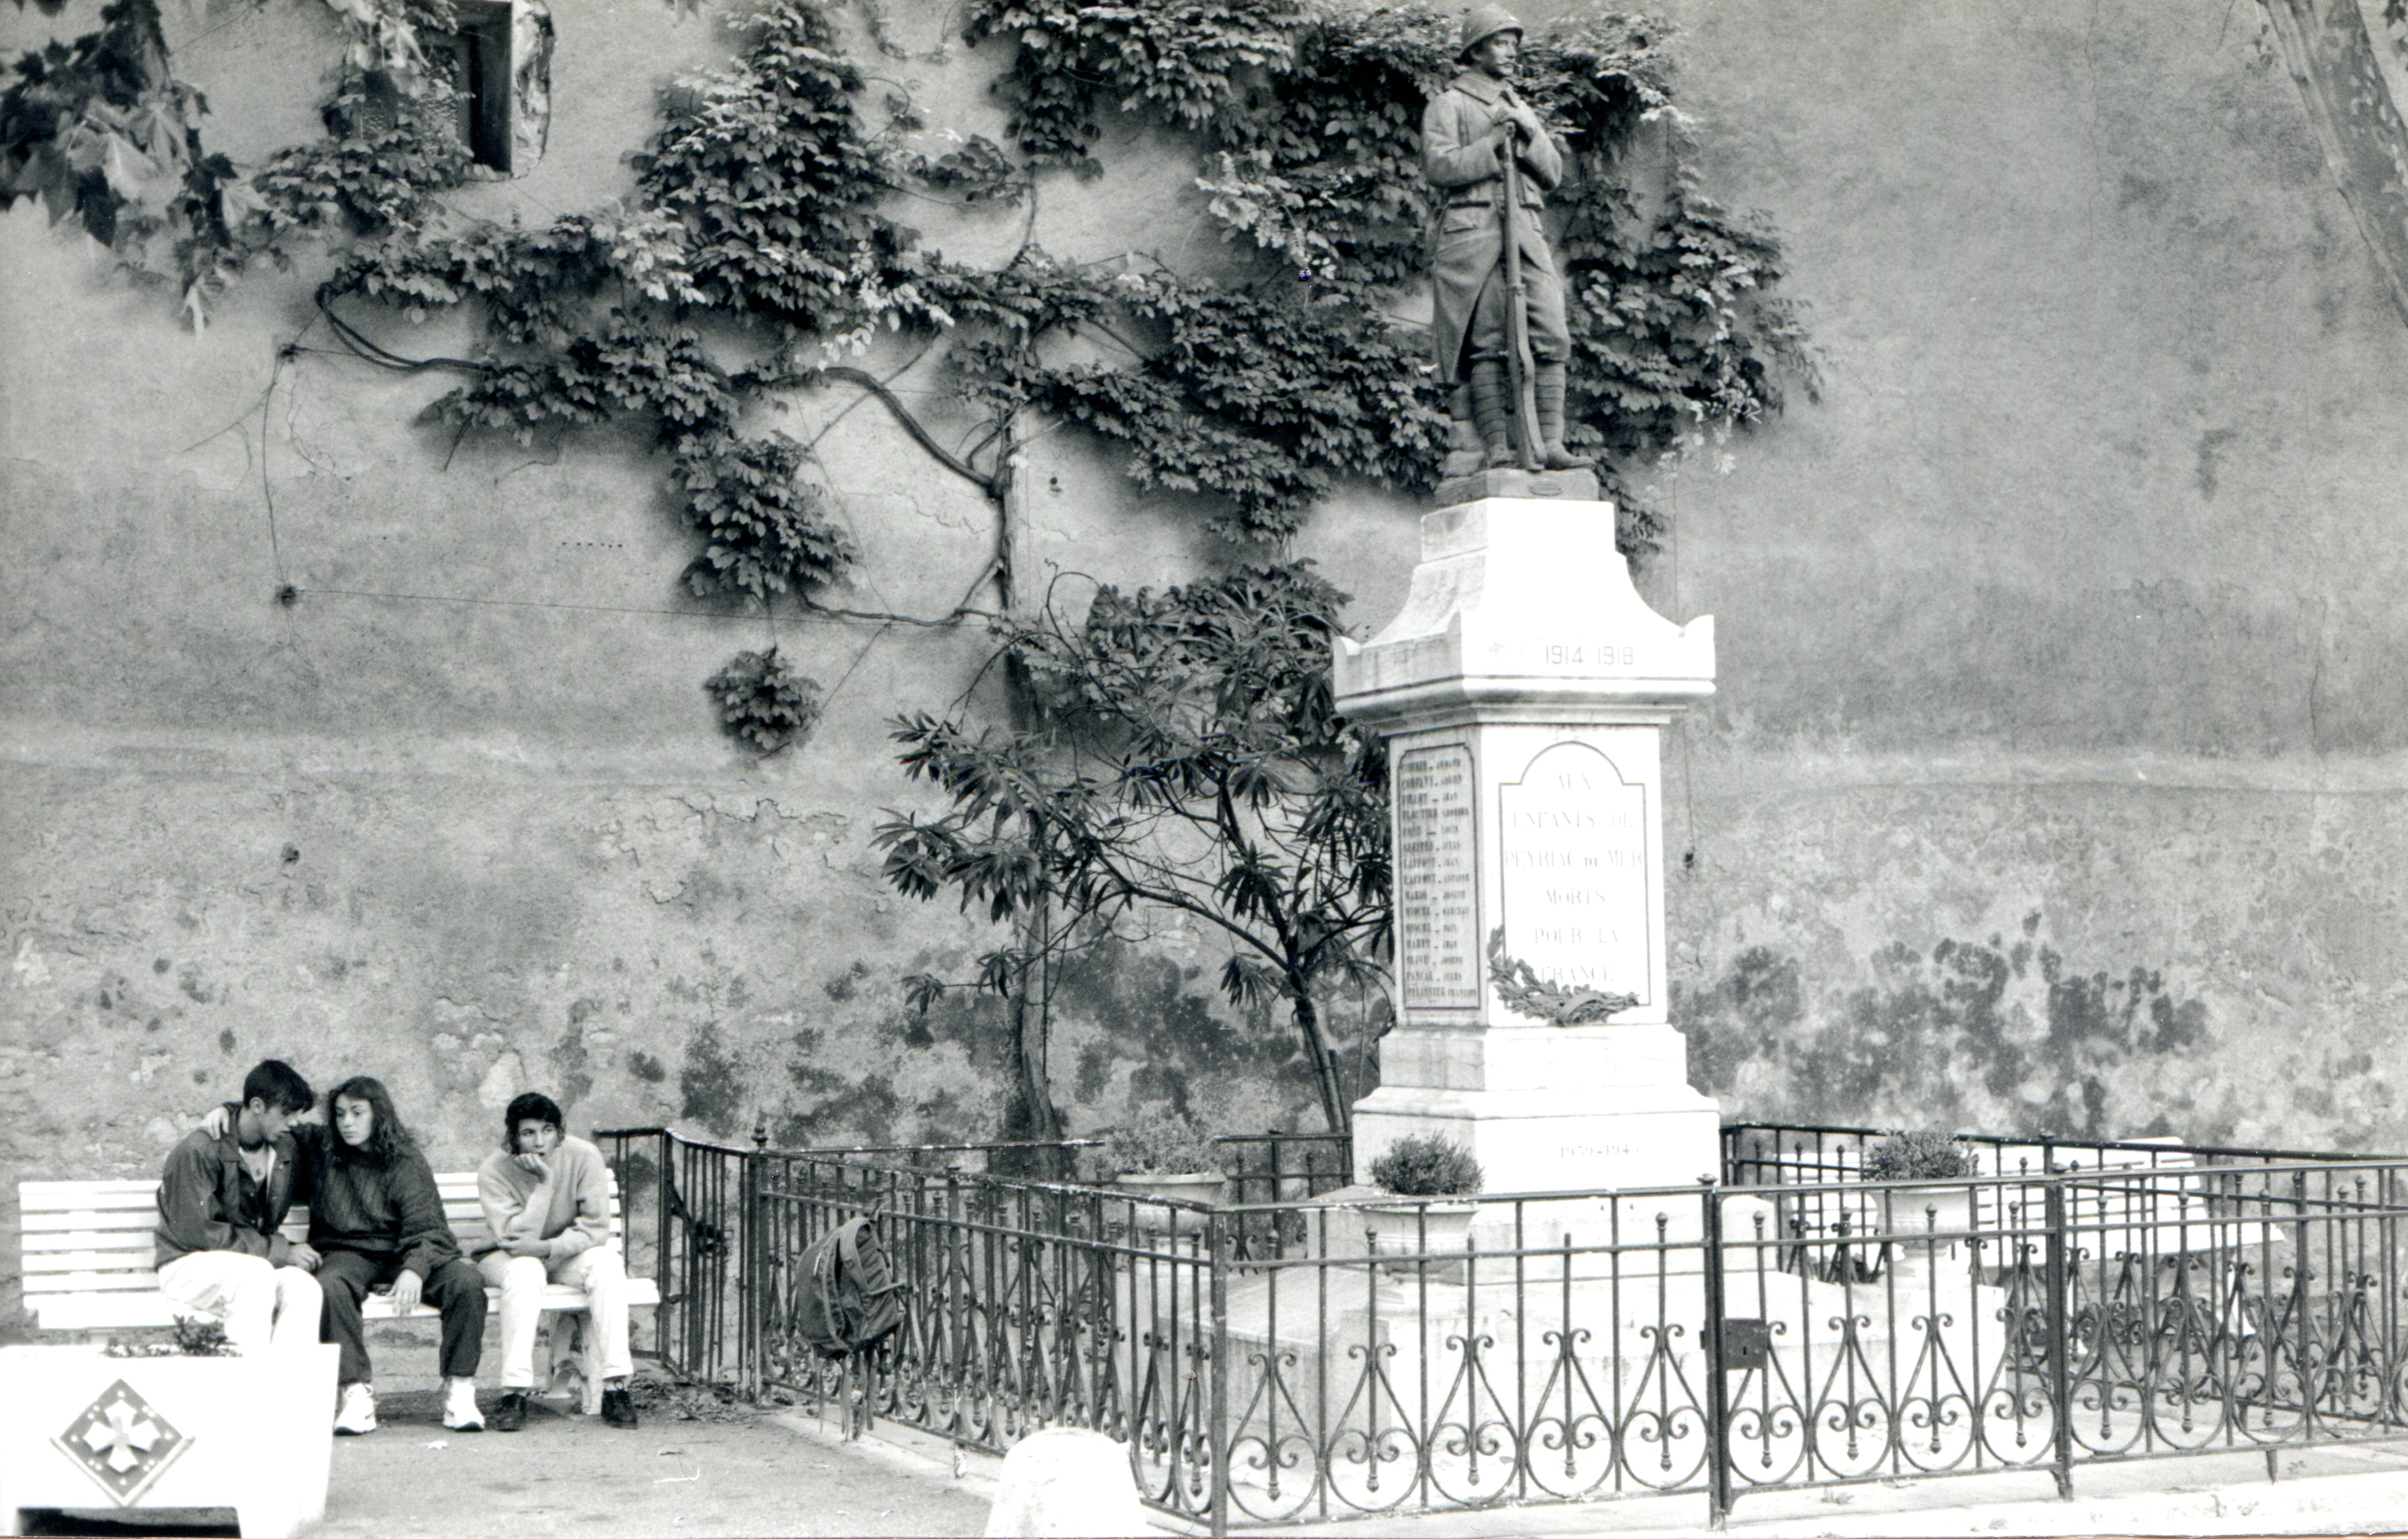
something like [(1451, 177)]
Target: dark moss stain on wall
[(712, 1084), (1948, 1037), (568, 1058), (843, 1113), (1147, 1013)]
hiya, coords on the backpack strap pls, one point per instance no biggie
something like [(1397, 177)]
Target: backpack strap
[(848, 1243)]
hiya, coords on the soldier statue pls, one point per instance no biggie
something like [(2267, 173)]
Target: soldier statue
[(1499, 315)]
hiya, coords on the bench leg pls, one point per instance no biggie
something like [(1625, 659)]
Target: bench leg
[(589, 1360)]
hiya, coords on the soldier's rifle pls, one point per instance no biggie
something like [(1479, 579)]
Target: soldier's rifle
[(1519, 364)]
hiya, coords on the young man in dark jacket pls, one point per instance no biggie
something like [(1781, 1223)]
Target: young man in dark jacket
[(220, 1201)]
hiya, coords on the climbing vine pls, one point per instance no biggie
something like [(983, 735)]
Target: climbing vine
[(764, 196), (761, 254)]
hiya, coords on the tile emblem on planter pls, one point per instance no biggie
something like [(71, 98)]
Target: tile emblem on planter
[(121, 1443)]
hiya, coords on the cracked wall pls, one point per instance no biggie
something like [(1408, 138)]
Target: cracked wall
[(2059, 776)]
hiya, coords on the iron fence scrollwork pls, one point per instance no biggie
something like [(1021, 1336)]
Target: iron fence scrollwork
[(1300, 1354)]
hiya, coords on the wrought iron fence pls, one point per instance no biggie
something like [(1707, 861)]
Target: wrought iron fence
[(1296, 1356), (683, 1204)]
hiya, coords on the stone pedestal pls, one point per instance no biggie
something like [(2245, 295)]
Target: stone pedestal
[(1523, 694)]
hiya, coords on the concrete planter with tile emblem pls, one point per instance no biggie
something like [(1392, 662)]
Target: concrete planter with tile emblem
[(80, 1430)]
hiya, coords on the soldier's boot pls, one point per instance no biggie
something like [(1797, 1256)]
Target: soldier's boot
[(1492, 411), (1547, 386)]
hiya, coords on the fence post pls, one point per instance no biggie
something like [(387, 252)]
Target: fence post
[(2304, 1350), (1216, 1431), (1718, 1485), (2060, 1337), (751, 1259)]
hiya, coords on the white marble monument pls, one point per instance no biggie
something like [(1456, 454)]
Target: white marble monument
[(1524, 693)]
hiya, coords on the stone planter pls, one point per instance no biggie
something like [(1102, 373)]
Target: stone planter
[(1909, 1221), (1152, 1188), (1418, 1229), (83, 1431)]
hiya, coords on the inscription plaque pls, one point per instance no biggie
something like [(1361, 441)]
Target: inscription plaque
[(1438, 928), (1573, 842)]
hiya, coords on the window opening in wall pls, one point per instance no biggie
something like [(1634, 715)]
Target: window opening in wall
[(476, 58)]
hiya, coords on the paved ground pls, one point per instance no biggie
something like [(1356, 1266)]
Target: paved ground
[(570, 1476), (720, 1470)]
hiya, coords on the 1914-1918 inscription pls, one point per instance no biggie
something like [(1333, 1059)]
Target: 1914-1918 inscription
[(1438, 930), (1573, 839)]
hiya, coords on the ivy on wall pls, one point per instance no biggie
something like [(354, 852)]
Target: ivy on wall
[(762, 197), (762, 220)]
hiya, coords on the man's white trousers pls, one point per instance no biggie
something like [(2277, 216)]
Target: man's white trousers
[(599, 1272), (262, 1306)]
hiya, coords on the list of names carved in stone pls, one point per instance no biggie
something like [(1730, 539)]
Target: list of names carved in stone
[(1437, 932)]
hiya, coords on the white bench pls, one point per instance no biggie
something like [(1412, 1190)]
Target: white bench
[(88, 1260)]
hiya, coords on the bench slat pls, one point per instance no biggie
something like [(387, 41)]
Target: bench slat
[(87, 1248), (44, 1223), (38, 1261), (106, 1282), (51, 1194), (100, 1311), (132, 1242)]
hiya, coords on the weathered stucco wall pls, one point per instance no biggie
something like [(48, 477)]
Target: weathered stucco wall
[(2057, 778), (461, 814)]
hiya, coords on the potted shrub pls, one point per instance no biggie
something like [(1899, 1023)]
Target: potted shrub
[(1168, 1159), (1423, 1166), (1930, 1158)]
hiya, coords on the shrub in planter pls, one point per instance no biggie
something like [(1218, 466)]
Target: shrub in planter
[(1428, 1165), (1424, 1165), (1923, 1154), (1164, 1160), (1168, 1148)]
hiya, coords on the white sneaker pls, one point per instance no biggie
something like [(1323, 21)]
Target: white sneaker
[(357, 1413), (460, 1410)]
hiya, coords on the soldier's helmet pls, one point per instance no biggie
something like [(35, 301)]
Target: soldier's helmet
[(1482, 22)]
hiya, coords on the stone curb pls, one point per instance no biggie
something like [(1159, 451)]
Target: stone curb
[(2374, 1503)]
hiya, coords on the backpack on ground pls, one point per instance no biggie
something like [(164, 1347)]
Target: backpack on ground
[(849, 1297)]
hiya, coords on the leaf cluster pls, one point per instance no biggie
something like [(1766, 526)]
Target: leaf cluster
[(386, 153), (101, 132), (763, 701), (769, 170), (1261, 397), (1184, 61), (1189, 762)]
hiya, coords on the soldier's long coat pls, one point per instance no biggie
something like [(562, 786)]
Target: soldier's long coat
[(1470, 238)]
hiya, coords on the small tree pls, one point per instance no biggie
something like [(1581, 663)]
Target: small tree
[(1185, 759)]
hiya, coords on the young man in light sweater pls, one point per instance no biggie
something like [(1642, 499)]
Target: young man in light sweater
[(547, 1200)]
